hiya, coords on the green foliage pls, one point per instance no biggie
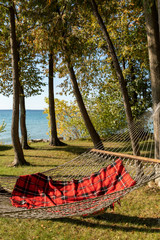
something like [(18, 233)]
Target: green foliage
[(55, 27), (30, 74), (91, 58), (107, 116), (2, 127), (69, 121), (126, 25)]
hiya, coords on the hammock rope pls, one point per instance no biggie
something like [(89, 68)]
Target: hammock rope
[(93, 161)]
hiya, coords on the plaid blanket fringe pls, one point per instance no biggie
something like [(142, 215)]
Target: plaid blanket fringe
[(38, 190)]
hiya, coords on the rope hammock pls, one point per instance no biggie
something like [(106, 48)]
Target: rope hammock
[(86, 184)]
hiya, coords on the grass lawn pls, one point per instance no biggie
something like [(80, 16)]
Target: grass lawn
[(138, 217)]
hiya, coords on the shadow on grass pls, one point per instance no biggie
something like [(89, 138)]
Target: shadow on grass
[(143, 224), (7, 176), (81, 149), (5, 147), (45, 165), (118, 218), (43, 157), (71, 149)]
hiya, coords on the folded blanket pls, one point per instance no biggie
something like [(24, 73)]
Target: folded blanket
[(38, 190)]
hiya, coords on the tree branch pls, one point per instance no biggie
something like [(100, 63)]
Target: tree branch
[(1, 4)]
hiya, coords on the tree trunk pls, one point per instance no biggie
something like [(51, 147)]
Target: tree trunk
[(94, 135), (54, 141), (158, 5), (135, 145), (19, 156), (134, 97), (24, 139), (152, 27)]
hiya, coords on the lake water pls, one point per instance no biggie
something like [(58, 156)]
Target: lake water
[(37, 125)]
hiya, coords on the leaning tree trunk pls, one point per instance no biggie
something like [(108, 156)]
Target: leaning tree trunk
[(24, 138), (54, 140), (152, 27), (19, 156), (135, 145), (94, 135)]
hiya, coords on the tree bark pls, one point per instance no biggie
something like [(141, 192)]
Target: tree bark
[(24, 138), (133, 78), (158, 5), (54, 140), (152, 28), (19, 156), (135, 145), (94, 135)]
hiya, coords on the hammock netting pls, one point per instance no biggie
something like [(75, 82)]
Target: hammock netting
[(88, 183)]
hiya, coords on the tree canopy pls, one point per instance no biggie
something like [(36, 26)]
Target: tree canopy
[(54, 23), (70, 32), (30, 73)]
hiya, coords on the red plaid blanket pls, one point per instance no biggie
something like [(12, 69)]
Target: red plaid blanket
[(38, 190)]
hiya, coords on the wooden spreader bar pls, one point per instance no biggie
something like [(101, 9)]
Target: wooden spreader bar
[(124, 155)]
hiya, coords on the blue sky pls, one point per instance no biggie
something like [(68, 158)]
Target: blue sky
[(35, 102)]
